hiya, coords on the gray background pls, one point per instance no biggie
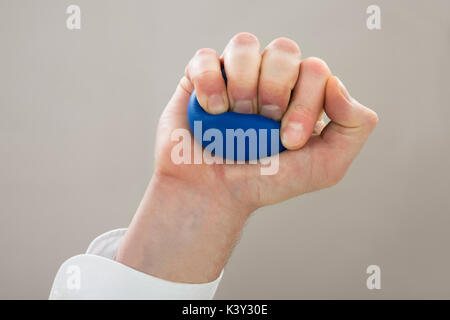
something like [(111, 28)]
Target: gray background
[(78, 112)]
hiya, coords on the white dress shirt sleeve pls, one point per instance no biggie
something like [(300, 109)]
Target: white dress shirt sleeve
[(96, 275)]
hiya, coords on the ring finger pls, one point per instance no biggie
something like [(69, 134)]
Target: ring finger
[(242, 60)]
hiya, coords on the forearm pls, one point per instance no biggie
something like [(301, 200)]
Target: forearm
[(181, 232)]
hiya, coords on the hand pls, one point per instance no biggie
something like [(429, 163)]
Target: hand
[(205, 206), (278, 85)]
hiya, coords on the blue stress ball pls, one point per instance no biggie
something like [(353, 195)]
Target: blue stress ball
[(234, 135)]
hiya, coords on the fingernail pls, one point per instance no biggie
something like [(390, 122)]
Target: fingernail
[(243, 106), (292, 134), (344, 91), (271, 111), (216, 104)]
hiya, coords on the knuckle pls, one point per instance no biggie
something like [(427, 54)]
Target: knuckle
[(372, 118), (368, 118), (316, 65), (186, 85), (205, 52), (286, 45), (199, 61), (245, 38), (187, 69)]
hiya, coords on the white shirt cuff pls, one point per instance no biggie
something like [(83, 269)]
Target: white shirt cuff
[(96, 275)]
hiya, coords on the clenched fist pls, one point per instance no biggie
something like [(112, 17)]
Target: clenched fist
[(192, 214)]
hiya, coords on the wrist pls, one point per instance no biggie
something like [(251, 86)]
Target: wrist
[(182, 232)]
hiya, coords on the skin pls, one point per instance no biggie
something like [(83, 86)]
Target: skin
[(191, 215)]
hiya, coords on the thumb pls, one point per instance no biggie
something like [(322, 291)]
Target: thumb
[(342, 138), (351, 122)]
